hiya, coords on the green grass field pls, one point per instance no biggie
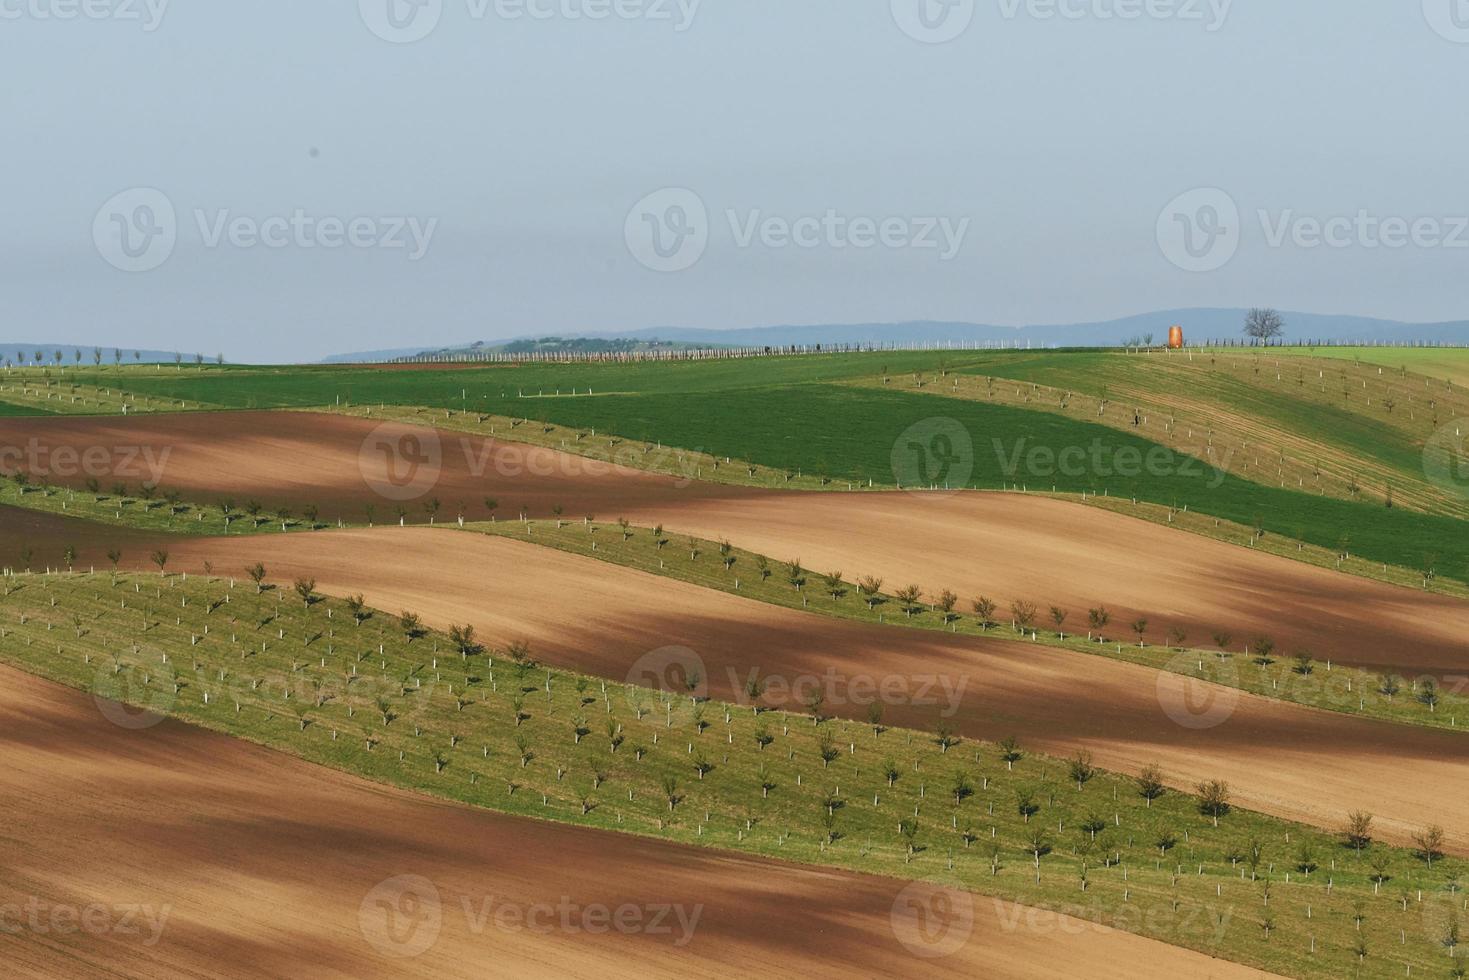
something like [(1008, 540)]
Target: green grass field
[(9, 410), (160, 510), (1446, 363), (851, 434), (405, 706), (782, 413), (484, 387), (1286, 408)]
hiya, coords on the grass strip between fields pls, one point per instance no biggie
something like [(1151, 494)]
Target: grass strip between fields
[(1246, 663), (1240, 663), (379, 695), (686, 464)]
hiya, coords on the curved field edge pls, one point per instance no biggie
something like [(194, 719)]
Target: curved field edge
[(592, 443), (837, 438), (1338, 428), (1242, 663), (818, 435), (1247, 665), (1243, 398), (482, 727), (205, 793)]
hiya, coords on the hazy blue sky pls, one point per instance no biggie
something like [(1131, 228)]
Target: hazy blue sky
[(1037, 151)]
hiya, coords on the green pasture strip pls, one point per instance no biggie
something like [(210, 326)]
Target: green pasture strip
[(1351, 427), (150, 509), (66, 396), (853, 436), (9, 410), (598, 445), (489, 387), (1443, 363)]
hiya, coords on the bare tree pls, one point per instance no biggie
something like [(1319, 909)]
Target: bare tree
[(1023, 613), (357, 606), (1358, 830), (1264, 325), (984, 608), (1010, 752), (1081, 769), (1150, 783), (909, 597), (1430, 844), (1058, 617), (1214, 799), (946, 602)]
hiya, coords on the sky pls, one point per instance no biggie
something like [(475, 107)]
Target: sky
[(284, 179)]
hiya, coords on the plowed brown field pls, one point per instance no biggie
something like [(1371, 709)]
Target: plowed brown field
[(176, 852), (1006, 546)]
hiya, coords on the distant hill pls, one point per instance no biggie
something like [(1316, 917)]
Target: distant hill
[(1198, 325), (16, 352), (568, 345)]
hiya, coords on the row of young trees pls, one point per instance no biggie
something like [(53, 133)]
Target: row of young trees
[(681, 786), (39, 356), (1214, 798)]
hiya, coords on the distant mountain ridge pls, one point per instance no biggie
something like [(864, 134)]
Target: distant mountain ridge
[(1198, 325)]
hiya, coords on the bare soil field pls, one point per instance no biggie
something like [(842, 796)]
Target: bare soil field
[(1053, 552), (1004, 545), (605, 620), (48, 535), (173, 851)]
